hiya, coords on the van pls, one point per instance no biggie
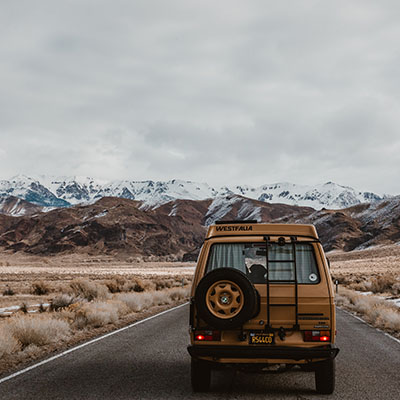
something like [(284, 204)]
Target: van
[(262, 299)]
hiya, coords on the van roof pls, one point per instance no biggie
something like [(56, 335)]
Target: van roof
[(244, 228)]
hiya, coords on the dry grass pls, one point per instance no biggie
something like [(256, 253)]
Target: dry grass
[(8, 344), (179, 293), (374, 310), (136, 302), (87, 297), (388, 283), (38, 330), (89, 290), (140, 301)]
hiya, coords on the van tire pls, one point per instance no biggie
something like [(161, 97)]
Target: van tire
[(200, 374), (325, 377), (250, 300)]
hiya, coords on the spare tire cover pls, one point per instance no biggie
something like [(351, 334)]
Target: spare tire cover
[(226, 299)]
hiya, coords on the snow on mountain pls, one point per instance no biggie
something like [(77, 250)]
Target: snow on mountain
[(31, 190), (222, 205), (16, 207), (327, 195), (51, 191)]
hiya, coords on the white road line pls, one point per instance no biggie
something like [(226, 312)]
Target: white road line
[(366, 323), (87, 344)]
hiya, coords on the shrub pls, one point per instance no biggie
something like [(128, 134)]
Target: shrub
[(116, 285), (163, 283), (179, 293), (396, 288), (8, 344), (136, 301), (390, 319), (61, 301), (38, 330), (24, 308), (89, 290), (8, 291), (375, 310), (98, 313), (41, 309), (161, 298), (382, 283), (137, 286), (40, 288)]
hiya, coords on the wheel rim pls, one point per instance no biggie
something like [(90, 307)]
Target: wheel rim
[(224, 299)]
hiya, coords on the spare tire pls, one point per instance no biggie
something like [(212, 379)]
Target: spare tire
[(226, 299)]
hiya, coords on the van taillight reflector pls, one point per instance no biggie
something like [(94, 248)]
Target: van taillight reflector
[(207, 335), (317, 336)]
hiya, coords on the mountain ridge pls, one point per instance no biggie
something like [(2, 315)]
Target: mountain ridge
[(122, 227), (51, 191)]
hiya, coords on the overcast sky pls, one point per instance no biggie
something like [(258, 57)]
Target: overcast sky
[(224, 92)]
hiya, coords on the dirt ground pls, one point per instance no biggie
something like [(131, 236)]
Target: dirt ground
[(19, 271), (379, 260)]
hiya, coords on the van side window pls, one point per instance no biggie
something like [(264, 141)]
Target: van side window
[(250, 258)]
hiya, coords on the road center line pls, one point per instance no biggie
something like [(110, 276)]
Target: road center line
[(23, 371)]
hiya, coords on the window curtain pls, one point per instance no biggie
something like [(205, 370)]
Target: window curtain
[(306, 264), (227, 256)]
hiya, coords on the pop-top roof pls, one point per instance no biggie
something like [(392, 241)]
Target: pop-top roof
[(244, 228)]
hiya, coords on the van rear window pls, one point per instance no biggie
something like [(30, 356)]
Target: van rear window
[(251, 259)]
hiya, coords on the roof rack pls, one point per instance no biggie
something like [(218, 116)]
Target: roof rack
[(247, 221)]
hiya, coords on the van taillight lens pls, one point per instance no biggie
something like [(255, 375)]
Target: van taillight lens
[(207, 336), (317, 336)]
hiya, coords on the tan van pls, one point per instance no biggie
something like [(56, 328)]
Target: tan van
[(262, 299)]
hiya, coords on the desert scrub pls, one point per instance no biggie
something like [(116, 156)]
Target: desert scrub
[(374, 310), (136, 302), (40, 288), (117, 285), (89, 290), (61, 302), (140, 301), (384, 283), (99, 313), (179, 293), (38, 330), (8, 344)]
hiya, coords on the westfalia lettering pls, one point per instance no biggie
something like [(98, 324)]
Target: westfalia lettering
[(234, 228)]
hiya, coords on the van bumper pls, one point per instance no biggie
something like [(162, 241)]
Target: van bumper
[(273, 352)]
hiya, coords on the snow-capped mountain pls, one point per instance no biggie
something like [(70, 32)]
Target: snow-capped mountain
[(51, 191)]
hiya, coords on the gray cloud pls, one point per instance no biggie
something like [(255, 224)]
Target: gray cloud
[(228, 92)]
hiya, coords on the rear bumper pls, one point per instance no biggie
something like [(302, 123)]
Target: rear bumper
[(272, 352)]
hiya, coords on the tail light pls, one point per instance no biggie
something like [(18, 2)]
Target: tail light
[(204, 336), (317, 336)]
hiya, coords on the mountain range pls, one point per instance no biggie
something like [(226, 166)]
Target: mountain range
[(55, 192), (176, 229), (169, 219)]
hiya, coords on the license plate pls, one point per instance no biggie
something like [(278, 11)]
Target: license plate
[(261, 338)]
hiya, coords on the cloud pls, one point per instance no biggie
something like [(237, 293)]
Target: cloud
[(226, 92)]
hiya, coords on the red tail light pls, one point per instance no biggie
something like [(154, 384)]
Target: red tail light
[(207, 335), (317, 336)]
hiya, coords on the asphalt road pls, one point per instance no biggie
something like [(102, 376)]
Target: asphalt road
[(150, 361)]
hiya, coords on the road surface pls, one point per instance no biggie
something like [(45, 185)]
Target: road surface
[(150, 361)]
